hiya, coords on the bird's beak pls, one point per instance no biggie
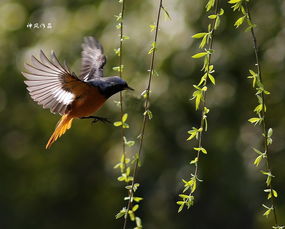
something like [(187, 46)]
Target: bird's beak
[(129, 88)]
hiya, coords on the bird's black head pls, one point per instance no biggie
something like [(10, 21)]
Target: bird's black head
[(112, 85)]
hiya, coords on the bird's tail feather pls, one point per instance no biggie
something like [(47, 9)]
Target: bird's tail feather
[(61, 127)]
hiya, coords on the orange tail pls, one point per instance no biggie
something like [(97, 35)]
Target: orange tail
[(63, 125)]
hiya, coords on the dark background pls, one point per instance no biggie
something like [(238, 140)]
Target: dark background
[(74, 185)]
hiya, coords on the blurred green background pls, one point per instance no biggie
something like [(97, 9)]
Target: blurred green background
[(73, 185)]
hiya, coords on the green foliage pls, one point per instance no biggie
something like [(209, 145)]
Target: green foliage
[(194, 133), (122, 122), (153, 47), (210, 4), (199, 97), (119, 68), (125, 163), (152, 28), (268, 210), (259, 157), (260, 109), (133, 201)]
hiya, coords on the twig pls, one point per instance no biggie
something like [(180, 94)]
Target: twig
[(205, 83), (264, 124), (121, 76), (146, 106)]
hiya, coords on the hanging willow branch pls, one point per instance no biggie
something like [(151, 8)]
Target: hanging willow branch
[(124, 163), (199, 96), (133, 202), (260, 110)]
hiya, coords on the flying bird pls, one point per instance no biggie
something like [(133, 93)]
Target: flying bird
[(53, 86)]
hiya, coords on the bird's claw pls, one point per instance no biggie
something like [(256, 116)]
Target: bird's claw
[(104, 120), (96, 119)]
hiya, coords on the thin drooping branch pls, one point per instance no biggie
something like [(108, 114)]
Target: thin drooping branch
[(121, 76), (264, 121), (145, 117), (200, 100), (202, 124), (261, 109)]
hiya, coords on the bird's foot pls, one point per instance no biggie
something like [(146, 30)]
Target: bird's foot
[(96, 119)]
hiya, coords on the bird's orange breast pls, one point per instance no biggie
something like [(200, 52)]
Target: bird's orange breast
[(86, 102)]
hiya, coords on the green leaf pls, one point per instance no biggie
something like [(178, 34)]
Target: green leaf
[(266, 92), (145, 94), (199, 55), (234, 1), (138, 223), (198, 95), (221, 12), (258, 108), (132, 215), (239, 22), (117, 51), (137, 199), (121, 213), (135, 207), (203, 42), (270, 132), (118, 68), (257, 160), (198, 88), (213, 16), (201, 149), (181, 207), (125, 117), (149, 114), (210, 4), (217, 22), (118, 17), (199, 35), (212, 78), (128, 143), (269, 177), (255, 120), (152, 27), (268, 211), (153, 47), (118, 123), (252, 72), (206, 110), (270, 192), (194, 161), (258, 151), (202, 80), (193, 133), (253, 76), (125, 37), (125, 125), (118, 26)]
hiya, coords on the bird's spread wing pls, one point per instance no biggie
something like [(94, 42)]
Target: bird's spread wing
[(51, 84), (93, 59)]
